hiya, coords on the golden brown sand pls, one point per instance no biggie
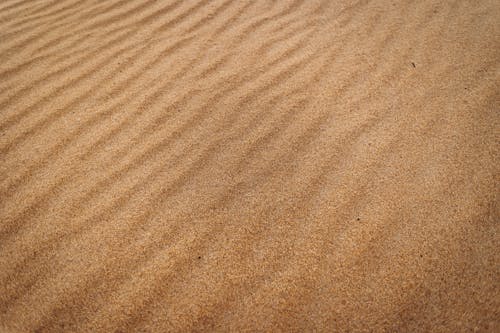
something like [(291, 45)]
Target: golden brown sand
[(249, 166)]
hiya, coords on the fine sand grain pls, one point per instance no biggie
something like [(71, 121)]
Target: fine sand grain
[(227, 165)]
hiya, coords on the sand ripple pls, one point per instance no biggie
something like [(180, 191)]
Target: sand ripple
[(249, 166)]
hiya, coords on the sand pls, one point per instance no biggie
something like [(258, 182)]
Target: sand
[(252, 166)]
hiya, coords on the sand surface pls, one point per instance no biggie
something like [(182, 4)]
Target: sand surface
[(226, 165)]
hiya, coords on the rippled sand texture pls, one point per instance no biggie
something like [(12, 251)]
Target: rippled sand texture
[(249, 166)]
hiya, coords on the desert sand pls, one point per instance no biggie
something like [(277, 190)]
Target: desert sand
[(260, 166)]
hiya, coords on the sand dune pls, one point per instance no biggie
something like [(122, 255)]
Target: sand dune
[(226, 165)]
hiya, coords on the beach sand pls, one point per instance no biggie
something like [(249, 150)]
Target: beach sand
[(238, 166)]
